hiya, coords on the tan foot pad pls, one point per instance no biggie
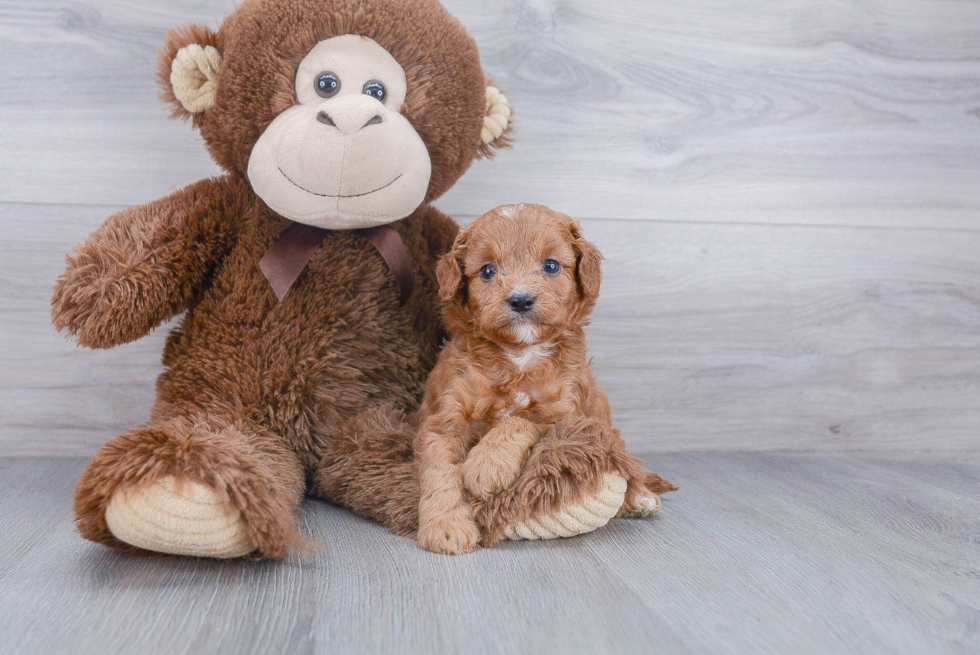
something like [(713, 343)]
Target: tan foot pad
[(193, 521), (594, 512), (646, 506)]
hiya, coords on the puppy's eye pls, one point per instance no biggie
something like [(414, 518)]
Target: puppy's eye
[(376, 90), (551, 267), (326, 84), (487, 272)]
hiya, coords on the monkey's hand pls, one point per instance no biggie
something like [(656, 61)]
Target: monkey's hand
[(110, 293), (145, 263)]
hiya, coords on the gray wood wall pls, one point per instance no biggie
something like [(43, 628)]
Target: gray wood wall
[(787, 194)]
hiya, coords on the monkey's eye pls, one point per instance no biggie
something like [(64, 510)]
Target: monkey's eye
[(327, 85), (487, 272), (551, 267), (376, 90)]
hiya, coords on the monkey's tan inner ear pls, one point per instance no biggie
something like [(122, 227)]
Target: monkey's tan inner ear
[(193, 76), (497, 117)]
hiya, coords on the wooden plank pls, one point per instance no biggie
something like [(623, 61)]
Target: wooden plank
[(762, 553), (705, 337), (755, 337), (811, 553), (835, 113)]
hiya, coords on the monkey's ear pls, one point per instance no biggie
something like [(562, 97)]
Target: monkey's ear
[(497, 124), (451, 272), (188, 70)]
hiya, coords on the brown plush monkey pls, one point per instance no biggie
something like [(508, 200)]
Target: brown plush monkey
[(310, 325)]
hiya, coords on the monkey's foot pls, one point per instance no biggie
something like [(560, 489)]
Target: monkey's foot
[(645, 506), (591, 514), (178, 519)]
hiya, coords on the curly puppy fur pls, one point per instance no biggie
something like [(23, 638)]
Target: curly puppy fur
[(517, 289)]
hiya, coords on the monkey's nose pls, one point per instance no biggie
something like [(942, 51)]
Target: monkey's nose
[(521, 302), (349, 124)]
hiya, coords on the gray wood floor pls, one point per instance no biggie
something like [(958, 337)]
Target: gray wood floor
[(758, 553)]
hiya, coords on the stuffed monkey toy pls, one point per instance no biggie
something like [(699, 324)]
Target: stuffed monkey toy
[(306, 275)]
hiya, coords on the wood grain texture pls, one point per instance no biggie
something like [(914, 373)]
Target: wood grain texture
[(758, 553), (833, 112), (706, 337)]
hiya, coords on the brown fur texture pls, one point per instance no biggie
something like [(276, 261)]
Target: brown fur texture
[(246, 376), (370, 467), (510, 377), (240, 357)]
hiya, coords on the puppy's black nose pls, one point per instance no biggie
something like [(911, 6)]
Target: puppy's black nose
[(521, 302)]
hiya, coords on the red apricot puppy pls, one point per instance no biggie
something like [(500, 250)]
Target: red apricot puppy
[(516, 289)]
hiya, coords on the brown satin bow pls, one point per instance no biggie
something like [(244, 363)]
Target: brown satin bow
[(288, 256)]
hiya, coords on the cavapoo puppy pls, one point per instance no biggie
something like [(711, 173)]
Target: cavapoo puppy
[(517, 289)]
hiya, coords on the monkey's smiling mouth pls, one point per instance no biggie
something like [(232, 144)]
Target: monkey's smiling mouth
[(328, 195)]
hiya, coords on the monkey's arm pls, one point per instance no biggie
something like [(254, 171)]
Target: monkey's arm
[(144, 264)]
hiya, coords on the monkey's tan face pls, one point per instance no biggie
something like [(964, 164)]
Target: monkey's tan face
[(344, 157)]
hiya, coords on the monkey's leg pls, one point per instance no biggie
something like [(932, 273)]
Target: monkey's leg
[(368, 465), (574, 481), (192, 487)]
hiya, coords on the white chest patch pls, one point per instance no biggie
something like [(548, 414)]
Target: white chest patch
[(528, 357)]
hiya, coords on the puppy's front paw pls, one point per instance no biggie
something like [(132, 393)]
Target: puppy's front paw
[(449, 537), (483, 476)]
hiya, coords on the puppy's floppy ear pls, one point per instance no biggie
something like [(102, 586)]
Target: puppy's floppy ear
[(451, 272), (187, 70), (588, 265)]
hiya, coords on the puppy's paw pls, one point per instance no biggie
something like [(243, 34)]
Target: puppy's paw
[(484, 476), (449, 537), (496, 462), (643, 506)]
